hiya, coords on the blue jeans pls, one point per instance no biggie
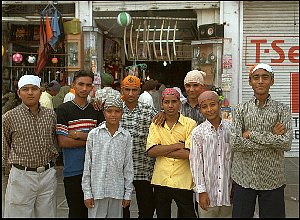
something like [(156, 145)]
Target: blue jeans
[(271, 202), (182, 197)]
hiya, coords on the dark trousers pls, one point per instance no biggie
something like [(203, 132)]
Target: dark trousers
[(196, 204), (145, 199), (182, 197), (271, 202), (74, 196)]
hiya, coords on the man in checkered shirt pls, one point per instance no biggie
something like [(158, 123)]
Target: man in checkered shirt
[(137, 119)]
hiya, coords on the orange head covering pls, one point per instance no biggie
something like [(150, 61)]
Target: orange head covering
[(72, 91), (130, 81)]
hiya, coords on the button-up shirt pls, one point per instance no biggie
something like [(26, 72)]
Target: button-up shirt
[(28, 139), (258, 162), (170, 172), (194, 113), (137, 122), (210, 161), (108, 167)]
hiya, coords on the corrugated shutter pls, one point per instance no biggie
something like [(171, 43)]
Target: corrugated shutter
[(271, 31)]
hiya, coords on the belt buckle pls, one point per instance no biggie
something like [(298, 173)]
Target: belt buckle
[(40, 169)]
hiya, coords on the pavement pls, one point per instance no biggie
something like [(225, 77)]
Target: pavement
[(291, 193)]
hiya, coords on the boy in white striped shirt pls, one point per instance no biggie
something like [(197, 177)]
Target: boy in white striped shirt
[(210, 160), (108, 167)]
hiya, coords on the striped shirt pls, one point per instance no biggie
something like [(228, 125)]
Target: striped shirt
[(210, 161), (258, 162), (108, 166), (28, 139), (137, 122), (191, 112), (72, 117)]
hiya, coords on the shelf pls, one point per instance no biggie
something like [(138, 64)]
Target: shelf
[(50, 67), (34, 53)]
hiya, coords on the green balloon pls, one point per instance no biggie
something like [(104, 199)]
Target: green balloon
[(124, 19)]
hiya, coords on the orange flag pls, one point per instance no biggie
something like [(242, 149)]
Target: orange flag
[(42, 56), (48, 29)]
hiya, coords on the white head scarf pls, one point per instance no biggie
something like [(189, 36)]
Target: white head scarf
[(195, 76), (29, 79), (181, 95)]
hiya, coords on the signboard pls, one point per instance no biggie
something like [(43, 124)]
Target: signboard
[(275, 51)]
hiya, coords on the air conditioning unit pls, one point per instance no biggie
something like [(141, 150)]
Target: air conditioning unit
[(210, 31)]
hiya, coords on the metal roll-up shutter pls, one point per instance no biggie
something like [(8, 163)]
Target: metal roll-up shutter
[(271, 35)]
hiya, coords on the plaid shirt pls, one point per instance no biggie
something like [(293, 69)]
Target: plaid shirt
[(137, 122), (191, 112), (27, 139)]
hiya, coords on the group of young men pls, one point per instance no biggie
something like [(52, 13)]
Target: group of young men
[(121, 144)]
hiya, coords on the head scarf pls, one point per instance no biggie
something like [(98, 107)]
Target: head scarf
[(72, 91), (195, 76), (113, 101), (54, 86), (29, 79), (170, 91), (264, 66), (181, 95), (106, 79), (131, 81), (212, 95)]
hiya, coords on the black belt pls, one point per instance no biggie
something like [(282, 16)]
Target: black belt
[(38, 169)]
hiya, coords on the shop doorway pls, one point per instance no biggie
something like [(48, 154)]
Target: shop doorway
[(171, 74)]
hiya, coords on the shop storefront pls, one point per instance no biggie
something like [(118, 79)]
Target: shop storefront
[(158, 36), (21, 40)]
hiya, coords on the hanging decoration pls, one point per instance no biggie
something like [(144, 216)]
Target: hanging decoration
[(124, 19), (31, 59), (17, 58), (50, 34), (54, 60)]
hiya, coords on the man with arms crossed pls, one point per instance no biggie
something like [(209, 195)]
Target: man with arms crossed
[(169, 144), (74, 120), (261, 133)]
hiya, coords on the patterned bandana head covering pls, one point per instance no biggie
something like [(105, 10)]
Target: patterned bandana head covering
[(113, 101), (195, 76), (29, 79), (106, 79), (131, 81), (212, 95), (264, 66), (170, 91)]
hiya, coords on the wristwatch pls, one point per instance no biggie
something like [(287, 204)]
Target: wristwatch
[(76, 138)]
